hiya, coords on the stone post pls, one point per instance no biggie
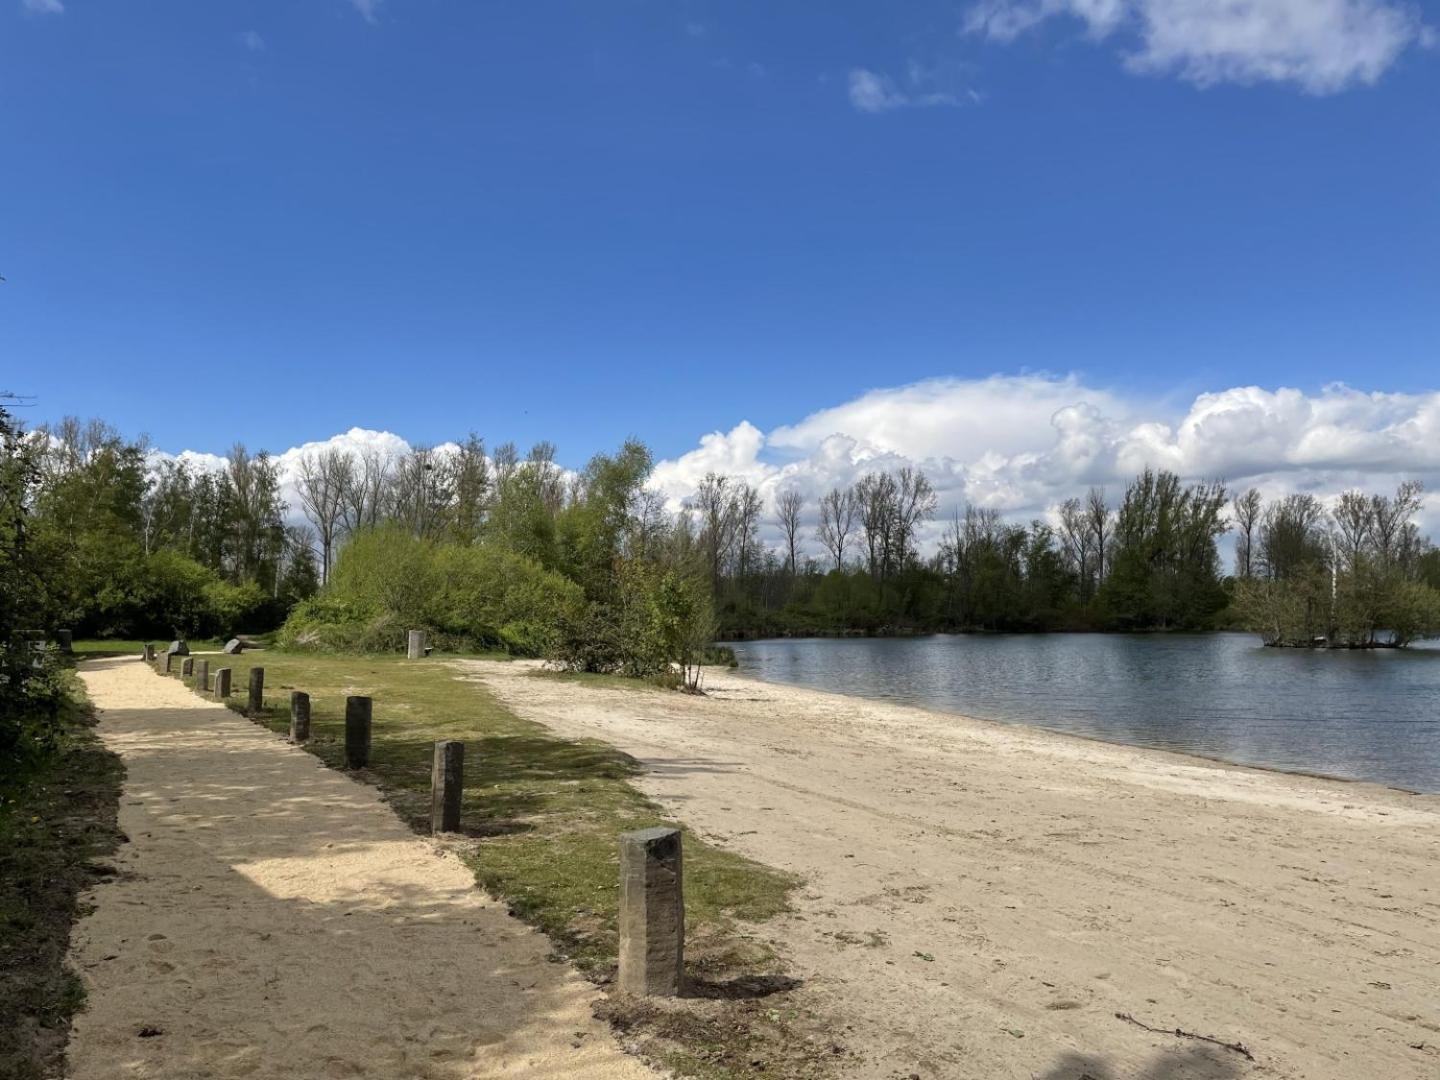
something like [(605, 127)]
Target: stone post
[(357, 732), (222, 683), (299, 716), (169, 659), (187, 667), (202, 676), (65, 640), (415, 649), (257, 692), (652, 913), (447, 783)]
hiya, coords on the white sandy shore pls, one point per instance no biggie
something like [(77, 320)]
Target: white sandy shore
[(274, 919), (981, 900)]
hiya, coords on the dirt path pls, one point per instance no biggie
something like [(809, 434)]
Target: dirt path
[(982, 900), (272, 918)]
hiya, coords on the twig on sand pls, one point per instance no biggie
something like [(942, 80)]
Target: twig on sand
[(1239, 1048)]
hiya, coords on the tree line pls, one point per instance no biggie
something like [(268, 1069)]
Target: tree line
[(1149, 560)]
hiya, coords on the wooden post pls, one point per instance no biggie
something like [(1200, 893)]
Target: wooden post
[(299, 716), (415, 647), (357, 732), (222, 683), (447, 784), (149, 653), (202, 676), (187, 667), (169, 659), (256, 703), (652, 913)]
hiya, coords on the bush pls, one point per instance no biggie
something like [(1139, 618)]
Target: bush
[(387, 582), (34, 686), (490, 597)]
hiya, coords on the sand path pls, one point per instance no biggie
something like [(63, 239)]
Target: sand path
[(273, 918), (982, 899)]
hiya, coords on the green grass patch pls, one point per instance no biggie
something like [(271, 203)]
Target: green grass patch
[(57, 816), (544, 813), (98, 648)]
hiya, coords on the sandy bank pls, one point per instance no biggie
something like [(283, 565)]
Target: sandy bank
[(272, 918), (982, 900)]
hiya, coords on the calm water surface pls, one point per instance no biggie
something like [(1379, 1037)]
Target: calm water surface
[(1362, 715)]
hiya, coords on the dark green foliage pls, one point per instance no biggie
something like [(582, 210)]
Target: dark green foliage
[(125, 550), (1151, 565)]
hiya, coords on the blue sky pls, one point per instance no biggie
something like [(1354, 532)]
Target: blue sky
[(277, 220)]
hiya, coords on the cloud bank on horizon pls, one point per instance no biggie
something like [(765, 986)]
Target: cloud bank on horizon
[(1023, 443)]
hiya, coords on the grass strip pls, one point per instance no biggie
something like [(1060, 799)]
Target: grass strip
[(57, 817)]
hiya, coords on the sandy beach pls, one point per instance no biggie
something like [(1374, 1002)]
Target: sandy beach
[(271, 918), (988, 901)]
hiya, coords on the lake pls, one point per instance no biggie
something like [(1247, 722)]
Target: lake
[(1361, 715)]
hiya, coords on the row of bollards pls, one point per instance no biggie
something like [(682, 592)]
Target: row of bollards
[(652, 899)]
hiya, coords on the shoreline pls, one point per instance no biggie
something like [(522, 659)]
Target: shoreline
[(1042, 730)]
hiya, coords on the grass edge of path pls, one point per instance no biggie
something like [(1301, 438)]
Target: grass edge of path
[(58, 818)]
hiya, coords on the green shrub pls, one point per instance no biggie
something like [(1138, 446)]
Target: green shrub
[(387, 582), (492, 597)]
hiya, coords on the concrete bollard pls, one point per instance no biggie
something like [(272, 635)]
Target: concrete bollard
[(65, 640), (357, 732), (447, 784), (202, 676), (257, 692), (222, 683), (415, 648), (187, 667), (652, 913), (299, 716)]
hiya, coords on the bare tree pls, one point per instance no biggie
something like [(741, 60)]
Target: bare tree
[(788, 507), (1391, 518), (715, 503), (875, 496), (1353, 521), (837, 521), (325, 479), (368, 493), (549, 477), (1247, 508), (1077, 538), (1101, 519), (748, 505), (914, 504), (423, 487)]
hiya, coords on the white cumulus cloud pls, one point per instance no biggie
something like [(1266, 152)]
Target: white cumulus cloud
[(1024, 443), (1322, 46)]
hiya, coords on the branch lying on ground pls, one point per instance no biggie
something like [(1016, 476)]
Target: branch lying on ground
[(1239, 1048)]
